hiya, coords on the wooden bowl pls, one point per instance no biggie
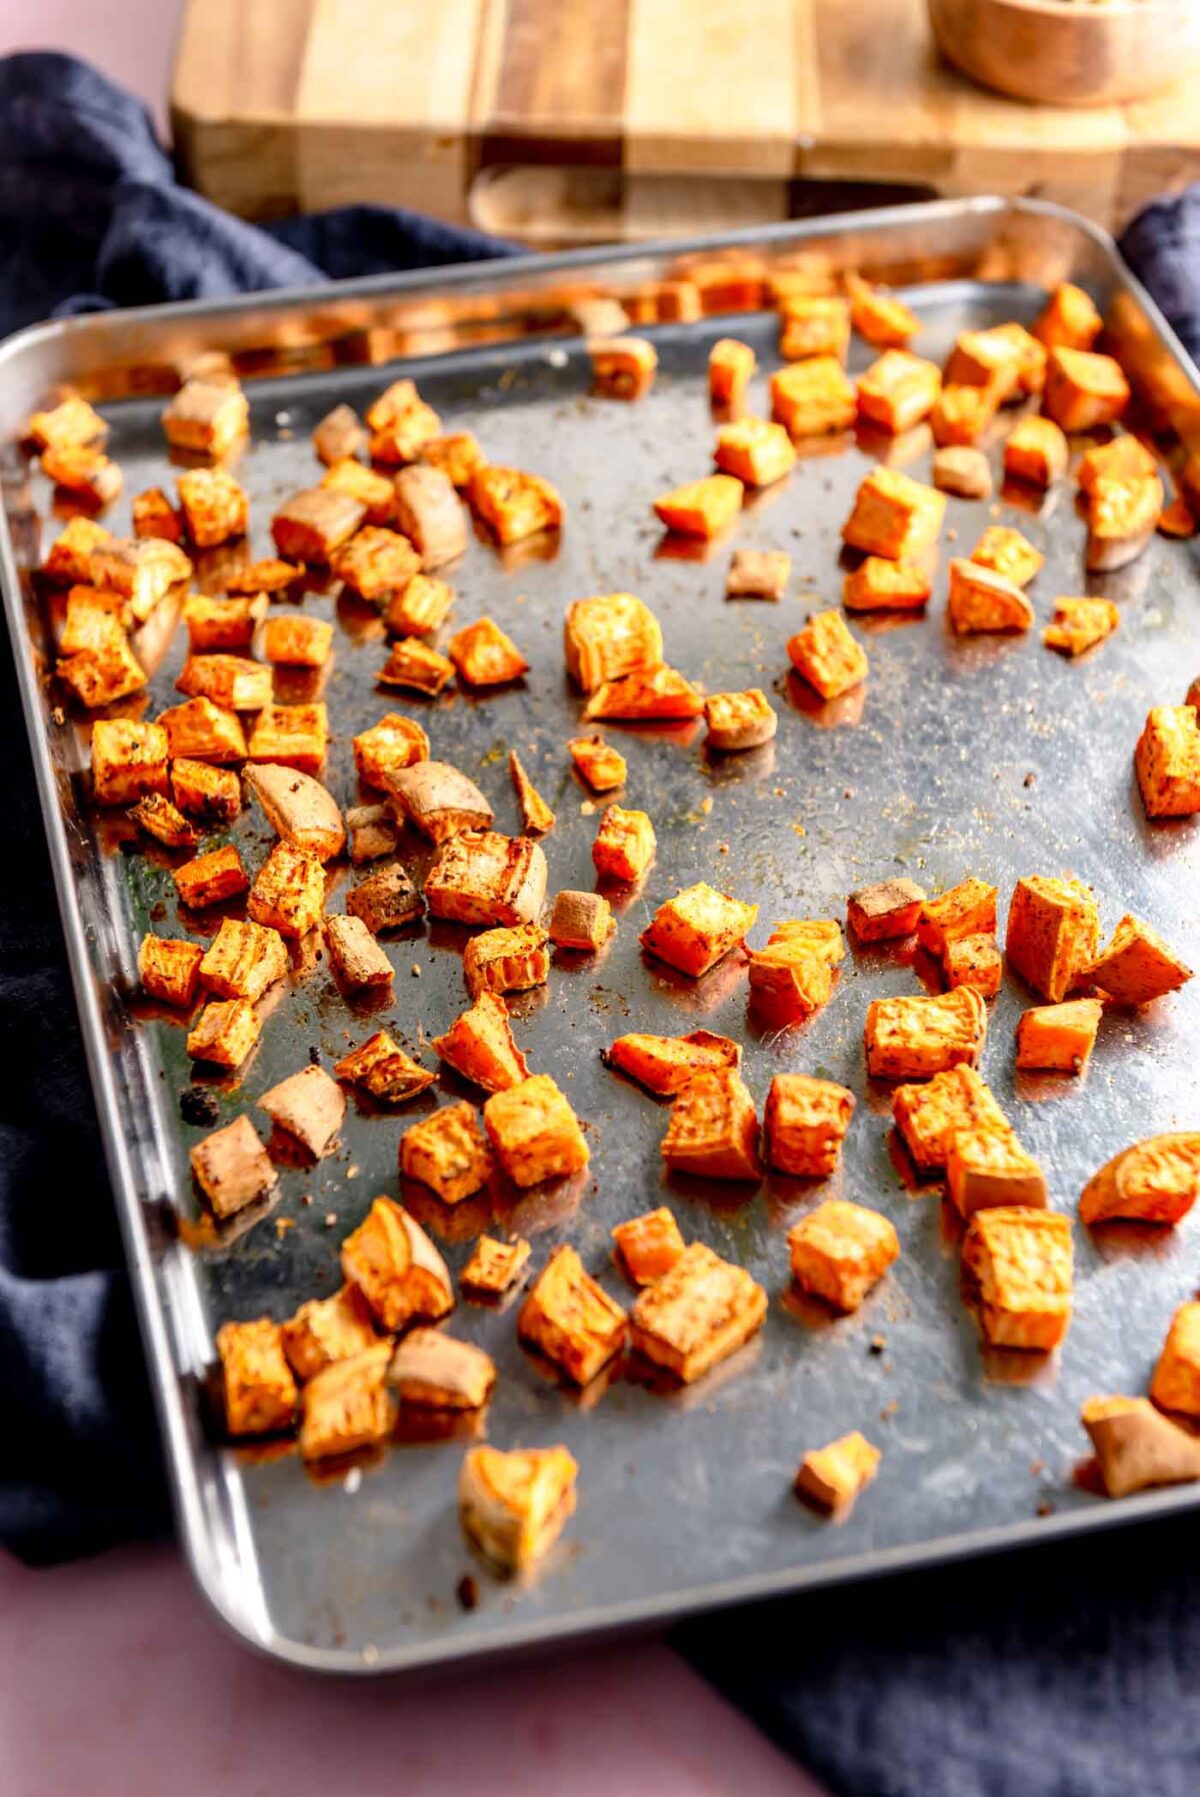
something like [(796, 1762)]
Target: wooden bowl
[(1070, 55)]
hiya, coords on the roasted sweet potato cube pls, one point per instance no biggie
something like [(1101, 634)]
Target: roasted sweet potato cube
[(376, 563), (534, 1132), (881, 585), (730, 365), (357, 957), (232, 1168), (570, 1319), (396, 399), (485, 656), (430, 515), (1053, 934), (375, 492), (1137, 1447), (1079, 624), (1007, 553), (914, 1037), (224, 1033), (608, 636), (479, 1045), (207, 417), (701, 508), (1176, 1381), (1123, 458), (697, 928), (713, 1128), (507, 960), (602, 766), (514, 505), (448, 1152), (961, 414), (153, 515), (396, 1267), (143, 572), (95, 622), (826, 655), (215, 508), (898, 390), (513, 1505), (813, 398), (814, 325), (395, 742), (894, 516), (981, 600), (648, 1246), (758, 574), (494, 1267), (481, 877), (288, 894), (988, 359), (754, 451), (259, 1391), (311, 526), (243, 960), (987, 1168), (1084, 389), (309, 1106), (974, 961), (231, 681), (1059, 1038), (832, 1477), (1024, 1265), (70, 554), (291, 735), (420, 607), (348, 1405), (339, 436), (324, 1330), (968, 909), (625, 844), (198, 730), (739, 721), (819, 936), (71, 421), (840, 1250), (1036, 451), (269, 575), (433, 1371), (581, 920), (84, 471), (805, 1123), (156, 815), (438, 800), (404, 433), (697, 1313), (1155, 1181), (221, 624), (384, 1071), (656, 695), (1069, 319), (386, 900), (1167, 761), (456, 455), (622, 367), (791, 976), (128, 760), (296, 641), (1122, 518), (665, 1064), (101, 676), (167, 968), (212, 794), (960, 469), (415, 665), (878, 315), (929, 1115), (212, 878), (1137, 966), (885, 911)]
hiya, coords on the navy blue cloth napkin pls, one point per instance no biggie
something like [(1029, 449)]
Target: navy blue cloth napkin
[(1060, 1673)]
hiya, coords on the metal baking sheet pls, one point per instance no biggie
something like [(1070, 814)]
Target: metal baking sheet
[(990, 757)]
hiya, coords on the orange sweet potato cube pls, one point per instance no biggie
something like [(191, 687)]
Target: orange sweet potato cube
[(980, 600), (83, 470), (730, 365), (962, 413), (894, 516), (878, 316), (70, 555), (479, 1045), (832, 1476), (311, 526), (494, 1267), (974, 961), (292, 736), (457, 456), (914, 1037), (697, 928), (1079, 624), (288, 893), (396, 1267), (738, 721), (128, 760), (648, 1246), (232, 1168), (790, 977), (99, 677), (1053, 934), (215, 508), (294, 641), (375, 493), (625, 844), (269, 575), (898, 390), (420, 607), (413, 664), (1007, 553), (756, 452), (602, 766), (324, 1330), (1024, 1265), (349, 1405), (224, 1033), (72, 420), (1059, 1038), (339, 436), (968, 909), (383, 1070), (513, 1505), (534, 1133), (713, 1128), (881, 585), (152, 515), (570, 1319), (988, 1168), (218, 624), (212, 878), (482, 877), (1176, 1381), (507, 959), (814, 325), (485, 656), (536, 816), (1084, 389), (1123, 458), (1069, 319), (813, 398), (665, 1064), (827, 656), (1155, 1181), (376, 563), (206, 416), (400, 436), (1123, 516), (656, 695), (701, 508), (259, 1390), (885, 911), (232, 681), (1137, 966), (448, 1152), (1036, 451), (840, 1250), (393, 743), (805, 1123), (697, 1314), (198, 730), (622, 367), (212, 794), (167, 968), (243, 960), (514, 505), (1167, 761), (930, 1114)]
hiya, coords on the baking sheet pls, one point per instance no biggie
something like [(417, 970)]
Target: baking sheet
[(988, 757)]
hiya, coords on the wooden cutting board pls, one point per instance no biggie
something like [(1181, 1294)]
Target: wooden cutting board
[(573, 120)]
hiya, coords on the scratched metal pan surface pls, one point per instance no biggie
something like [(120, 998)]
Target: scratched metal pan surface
[(990, 757)]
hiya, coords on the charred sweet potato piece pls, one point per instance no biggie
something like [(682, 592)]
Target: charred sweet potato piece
[(624, 846), (324, 1330), (419, 607), (152, 515), (374, 492), (222, 624), (930, 1114), (394, 743), (288, 893), (299, 809), (1137, 1448), (439, 801), (665, 1064), (713, 1128), (881, 585), (898, 390), (1024, 1265), (813, 398), (730, 365), (297, 641), (826, 655), (485, 656), (1137, 966), (294, 736), (481, 877), (448, 1152), (832, 1477), (885, 911), (357, 958), (1176, 1381), (167, 968), (384, 1071), (513, 1505), (156, 815), (570, 1319), (212, 878), (480, 1046), (602, 766), (656, 695), (514, 505), (697, 928), (430, 515), (804, 1124), (1084, 389), (215, 507), (962, 413), (894, 516), (494, 1267), (758, 574), (143, 572), (260, 1394), (506, 960), (622, 367), (1053, 934), (698, 1313), (1069, 319), (814, 325), (967, 909), (878, 316), (309, 1106), (347, 1405), (582, 921), (212, 794), (415, 665), (1155, 1181), (224, 1033), (1167, 761), (433, 1371), (1079, 624), (981, 600), (386, 900), (739, 721), (456, 455), (231, 681), (128, 760), (1007, 553), (914, 1037), (70, 555), (207, 417), (1059, 1038), (311, 526), (534, 1133), (840, 1250), (960, 469), (232, 1168), (243, 960), (198, 730), (83, 470), (1036, 451), (987, 1169), (754, 451), (608, 636), (71, 421), (1122, 518), (701, 508), (648, 1246), (396, 1267)]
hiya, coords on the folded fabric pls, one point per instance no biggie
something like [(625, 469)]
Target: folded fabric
[(1162, 246)]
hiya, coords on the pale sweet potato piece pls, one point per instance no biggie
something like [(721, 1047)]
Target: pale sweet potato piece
[(301, 811), (1155, 1181), (832, 1477), (1023, 1262), (232, 1168), (430, 515), (347, 1406), (396, 1267), (357, 957), (438, 800), (648, 1246), (582, 921), (713, 1128), (371, 832), (309, 1106), (386, 900), (84, 471), (448, 1152), (513, 1505), (840, 1251), (311, 526), (805, 1123), (434, 1372), (142, 571), (339, 435), (1053, 934), (534, 1133), (479, 1045), (702, 1310), (960, 469), (758, 574), (260, 1395), (738, 721), (323, 1330), (1137, 1448), (697, 928), (570, 1319)]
